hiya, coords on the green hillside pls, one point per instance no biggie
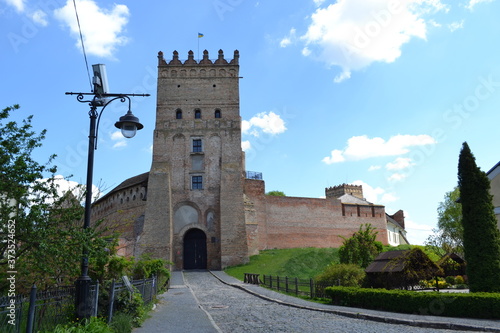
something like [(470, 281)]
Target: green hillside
[(303, 263)]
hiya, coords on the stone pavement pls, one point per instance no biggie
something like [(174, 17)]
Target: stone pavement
[(179, 311)]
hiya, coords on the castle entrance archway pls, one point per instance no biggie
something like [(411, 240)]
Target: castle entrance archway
[(195, 249)]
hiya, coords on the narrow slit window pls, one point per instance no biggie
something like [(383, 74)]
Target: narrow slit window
[(197, 114), (178, 114), (217, 114)]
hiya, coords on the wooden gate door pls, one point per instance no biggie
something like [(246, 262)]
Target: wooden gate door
[(195, 249)]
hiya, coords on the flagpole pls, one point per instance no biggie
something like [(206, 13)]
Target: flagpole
[(199, 36)]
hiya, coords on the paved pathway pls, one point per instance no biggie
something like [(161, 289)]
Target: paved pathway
[(215, 302), (178, 311)]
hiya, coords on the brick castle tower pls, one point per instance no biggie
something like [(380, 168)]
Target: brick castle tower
[(194, 211)]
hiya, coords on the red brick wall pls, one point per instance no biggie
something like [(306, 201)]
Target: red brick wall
[(289, 222)]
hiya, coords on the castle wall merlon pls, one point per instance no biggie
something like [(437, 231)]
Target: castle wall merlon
[(203, 62)]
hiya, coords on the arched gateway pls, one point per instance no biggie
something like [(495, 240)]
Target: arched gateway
[(195, 249)]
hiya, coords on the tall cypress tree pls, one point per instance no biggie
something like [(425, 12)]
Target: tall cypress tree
[(481, 234)]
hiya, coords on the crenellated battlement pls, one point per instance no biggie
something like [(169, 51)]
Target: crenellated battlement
[(175, 61), (340, 190)]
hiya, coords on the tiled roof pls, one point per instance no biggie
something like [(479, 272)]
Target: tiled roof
[(132, 181), (351, 199)]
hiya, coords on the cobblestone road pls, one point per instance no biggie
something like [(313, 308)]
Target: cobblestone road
[(234, 310)]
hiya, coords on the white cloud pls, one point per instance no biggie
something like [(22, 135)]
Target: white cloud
[(121, 141), (245, 145), (40, 17), (399, 164), (120, 144), (417, 233), (456, 25), (64, 185), (388, 198), (376, 195), (19, 5), (352, 34), (335, 157), (374, 167), (362, 147), (318, 2), (435, 24), (473, 3), (346, 74), (288, 40), (397, 177), (306, 52), (102, 29), (37, 15), (269, 123)]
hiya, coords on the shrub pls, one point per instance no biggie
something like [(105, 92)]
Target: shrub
[(450, 280), (463, 305), (119, 266), (459, 279), (133, 305), (348, 275), (121, 323), (146, 267), (361, 248), (441, 283), (92, 325)]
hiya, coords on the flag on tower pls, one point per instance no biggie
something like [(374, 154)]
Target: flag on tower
[(200, 35)]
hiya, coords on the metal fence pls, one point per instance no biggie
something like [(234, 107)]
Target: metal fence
[(44, 310), (299, 287), (13, 311), (41, 310), (148, 288), (253, 175)]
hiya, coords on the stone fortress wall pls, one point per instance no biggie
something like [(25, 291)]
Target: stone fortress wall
[(196, 195)]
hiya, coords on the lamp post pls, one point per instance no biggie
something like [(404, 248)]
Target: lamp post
[(129, 125)]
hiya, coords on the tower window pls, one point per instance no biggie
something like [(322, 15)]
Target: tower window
[(197, 114), (217, 114), (197, 182), (178, 114), (197, 146)]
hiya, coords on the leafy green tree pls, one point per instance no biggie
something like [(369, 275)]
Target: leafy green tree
[(24, 202), (361, 248), (276, 193), (41, 232), (481, 234), (448, 238)]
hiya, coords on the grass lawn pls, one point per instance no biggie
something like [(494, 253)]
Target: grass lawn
[(303, 263)]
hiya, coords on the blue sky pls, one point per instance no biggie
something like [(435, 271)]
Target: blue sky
[(379, 93)]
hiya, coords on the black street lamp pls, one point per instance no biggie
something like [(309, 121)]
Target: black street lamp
[(129, 125)]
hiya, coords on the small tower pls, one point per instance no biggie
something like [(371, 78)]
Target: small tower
[(194, 212), (340, 190)]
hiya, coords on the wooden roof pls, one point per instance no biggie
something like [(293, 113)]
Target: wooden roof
[(388, 262)]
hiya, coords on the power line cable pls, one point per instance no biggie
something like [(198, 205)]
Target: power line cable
[(83, 46)]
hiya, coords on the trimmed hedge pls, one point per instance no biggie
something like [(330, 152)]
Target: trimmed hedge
[(464, 305)]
